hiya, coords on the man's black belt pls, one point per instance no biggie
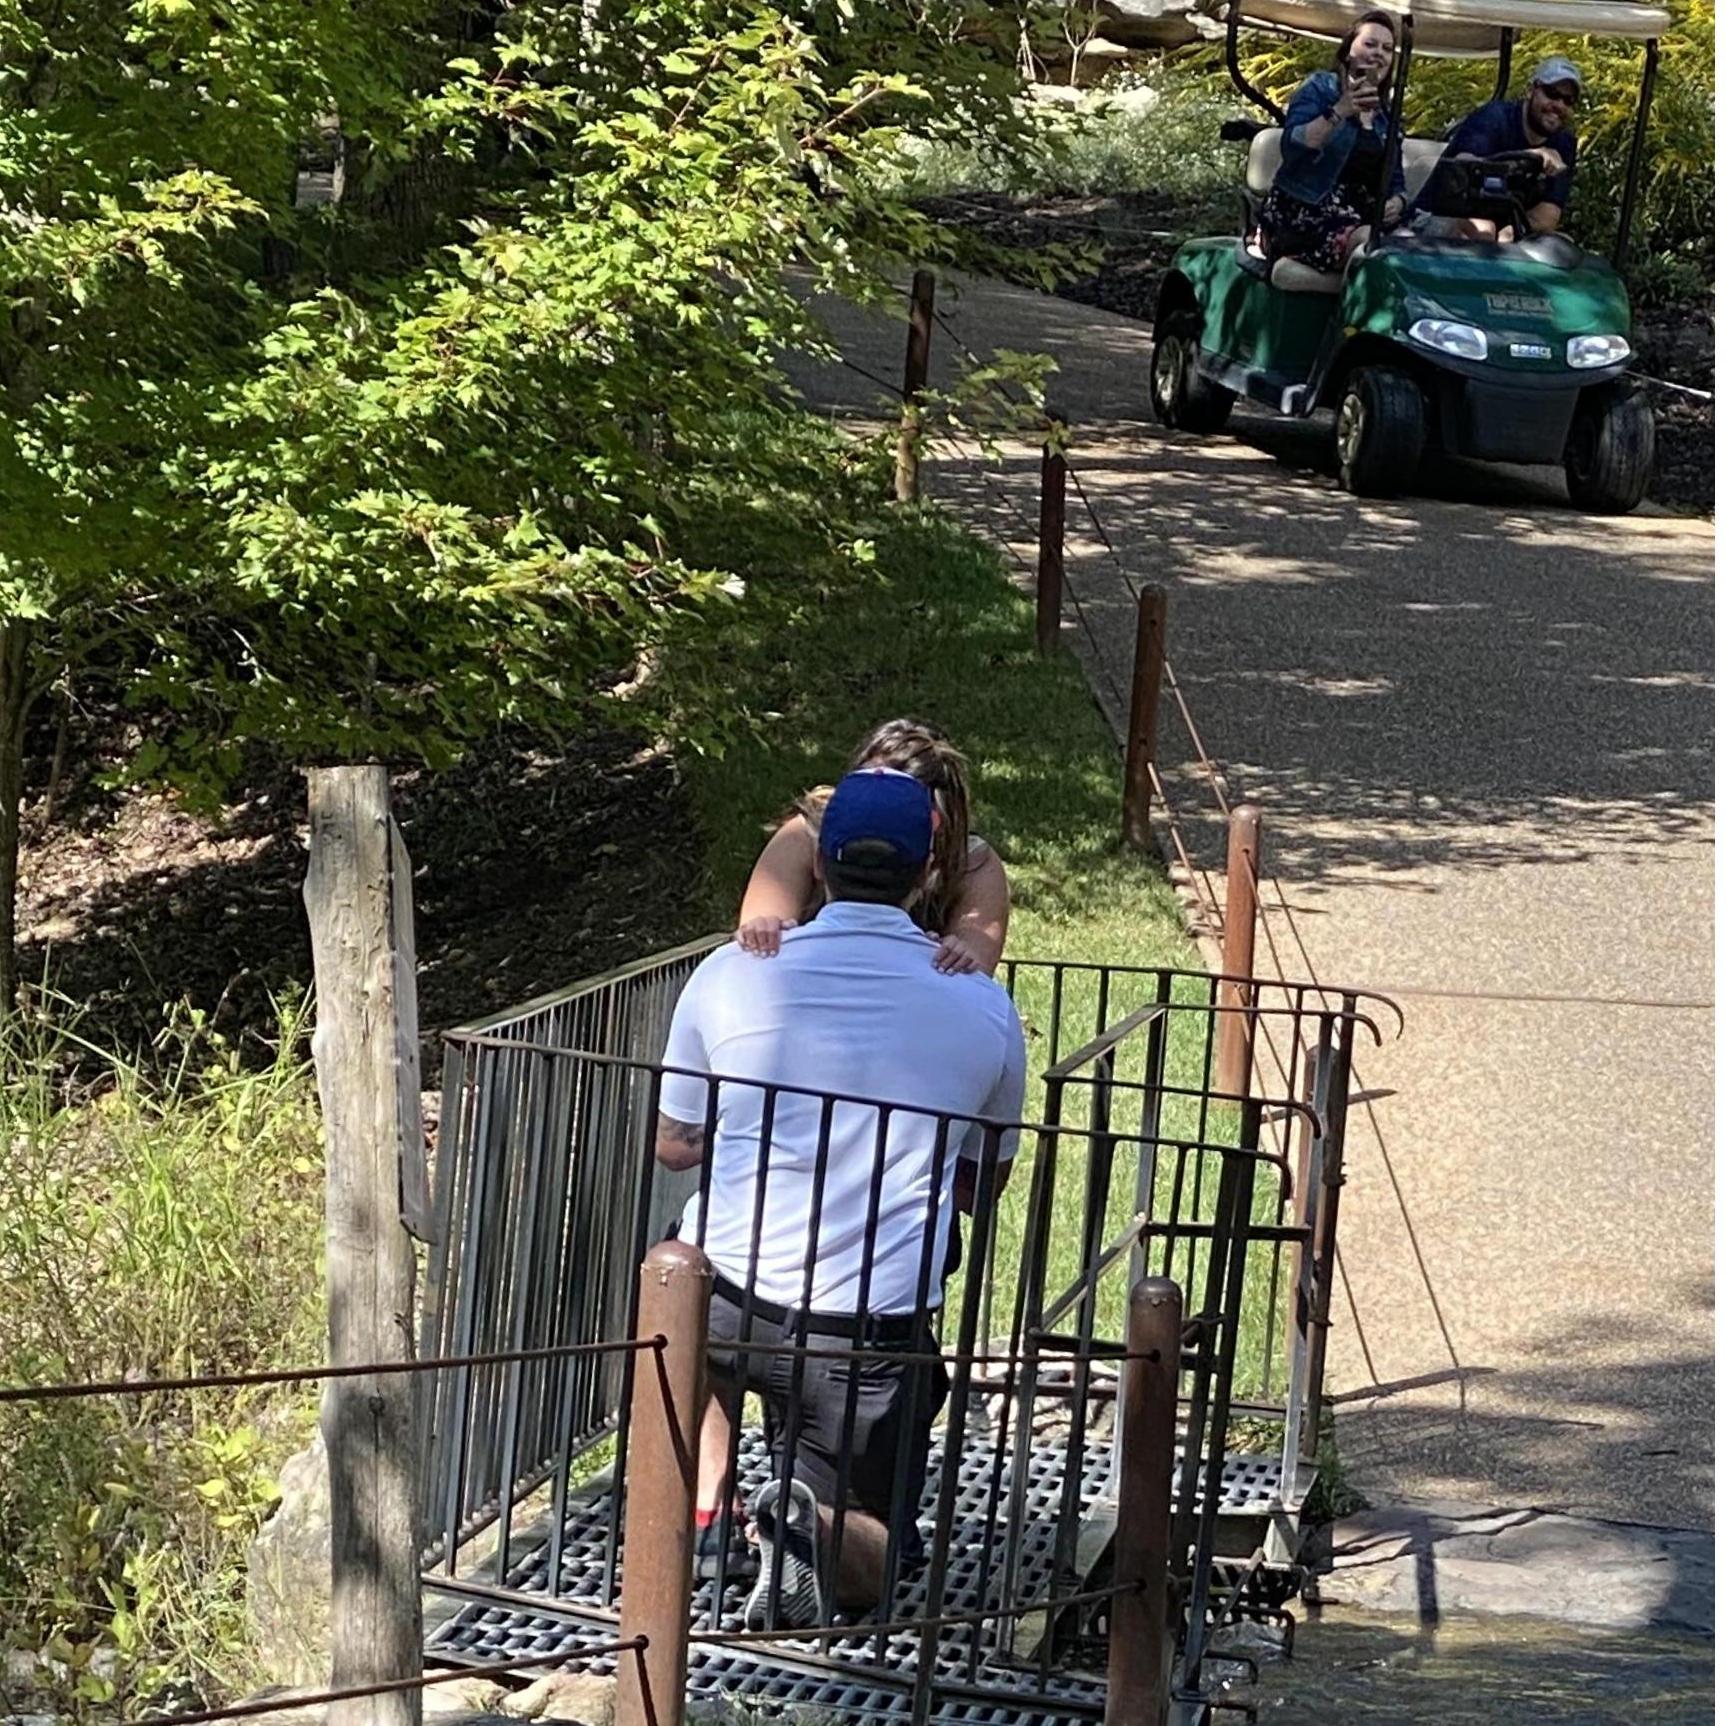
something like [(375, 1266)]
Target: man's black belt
[(883, 1330)]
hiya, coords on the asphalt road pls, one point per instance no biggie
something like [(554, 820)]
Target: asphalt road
[(1480, 727)]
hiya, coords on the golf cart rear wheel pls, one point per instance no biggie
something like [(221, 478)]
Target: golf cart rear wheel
[(1380, 430), (1180, 395), (1610, 453)]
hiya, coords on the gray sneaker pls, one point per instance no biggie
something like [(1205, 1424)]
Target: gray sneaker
[(791, 1528)]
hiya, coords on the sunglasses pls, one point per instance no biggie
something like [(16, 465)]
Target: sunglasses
[(1558, 93)]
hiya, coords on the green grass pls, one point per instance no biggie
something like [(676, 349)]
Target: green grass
[(933, 628), (158, 1218)]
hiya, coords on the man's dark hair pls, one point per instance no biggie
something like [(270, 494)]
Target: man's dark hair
[(871, 873)]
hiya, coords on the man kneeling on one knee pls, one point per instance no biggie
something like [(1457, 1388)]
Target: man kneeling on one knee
[(850, 1243)]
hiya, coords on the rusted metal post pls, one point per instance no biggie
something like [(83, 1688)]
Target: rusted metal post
[(917, 337), (1142, 724), (659, 1484), (1141, 1646), (1240, 920), (1051, 536)]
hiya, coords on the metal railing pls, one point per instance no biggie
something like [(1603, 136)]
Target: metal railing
[(541, 1222), (549, 1194)]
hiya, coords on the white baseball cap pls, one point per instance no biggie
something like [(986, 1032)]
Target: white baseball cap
[(1555, 69)]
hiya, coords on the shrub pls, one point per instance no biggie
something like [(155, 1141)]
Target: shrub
[(1153, 130), (148, 1227)]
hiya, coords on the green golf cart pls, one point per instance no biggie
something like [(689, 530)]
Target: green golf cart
[(1507, 351)]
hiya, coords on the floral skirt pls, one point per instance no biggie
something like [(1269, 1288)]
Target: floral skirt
[(1313, 234)]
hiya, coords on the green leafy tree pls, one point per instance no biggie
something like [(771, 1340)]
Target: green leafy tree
[(373, 477)]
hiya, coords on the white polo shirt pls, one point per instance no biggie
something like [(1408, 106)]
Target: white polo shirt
[(852, 1004)]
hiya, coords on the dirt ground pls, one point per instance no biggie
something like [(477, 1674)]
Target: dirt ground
[(533, 868), (1139, 233)]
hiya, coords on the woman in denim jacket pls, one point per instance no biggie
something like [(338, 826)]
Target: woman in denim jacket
[(1319, 208)]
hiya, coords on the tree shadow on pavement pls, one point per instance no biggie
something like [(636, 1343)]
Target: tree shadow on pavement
[(1607, 1403), (1400, 686)]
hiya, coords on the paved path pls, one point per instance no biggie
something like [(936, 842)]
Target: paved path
[(1480, 727)]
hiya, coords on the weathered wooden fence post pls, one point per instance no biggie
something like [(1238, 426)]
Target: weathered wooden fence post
[(659, 1484), (1240, 921), (1148, 654), (1051, 535), (366, 1048), (917, 337), (1141, 1645)]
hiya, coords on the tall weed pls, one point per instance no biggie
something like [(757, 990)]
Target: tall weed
[(149, 1226)]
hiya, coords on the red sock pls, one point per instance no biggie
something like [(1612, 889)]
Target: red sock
[(706, 1518)]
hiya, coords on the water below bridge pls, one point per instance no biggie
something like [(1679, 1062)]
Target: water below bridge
[(1364, 1668)]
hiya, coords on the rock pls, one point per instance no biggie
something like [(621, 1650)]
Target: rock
[(467, 1696), (1148, 23), (288, 1577), (1130, 104), (1257, 1642), (584, 1696), (1409, 1559)]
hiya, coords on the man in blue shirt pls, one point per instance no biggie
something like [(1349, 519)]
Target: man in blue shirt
[(1540, 122)]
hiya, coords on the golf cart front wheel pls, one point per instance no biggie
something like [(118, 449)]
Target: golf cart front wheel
[(1180, 395), (1380, 430), (1610, 452)]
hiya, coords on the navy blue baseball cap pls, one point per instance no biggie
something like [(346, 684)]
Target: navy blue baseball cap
[(882, 805)]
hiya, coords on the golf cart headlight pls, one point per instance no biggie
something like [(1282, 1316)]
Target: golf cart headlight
[(1463, 340), (1586, 352)]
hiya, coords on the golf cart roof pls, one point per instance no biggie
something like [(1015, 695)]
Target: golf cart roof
[(1463, 29)]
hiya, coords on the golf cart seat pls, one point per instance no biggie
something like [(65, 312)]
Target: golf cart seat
[(1294, 277), (1265, 156)]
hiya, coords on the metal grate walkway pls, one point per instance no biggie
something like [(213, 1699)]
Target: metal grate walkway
[(851, 1675)]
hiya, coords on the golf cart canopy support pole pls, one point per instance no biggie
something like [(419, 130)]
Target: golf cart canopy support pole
[(1506, 41), (1633, 172), (1399, 90), (1233, 56)]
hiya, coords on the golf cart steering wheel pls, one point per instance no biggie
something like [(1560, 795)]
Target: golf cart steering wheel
[(1523, 175), (1535, 164), (1500, 187)]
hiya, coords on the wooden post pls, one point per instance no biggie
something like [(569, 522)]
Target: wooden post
[(917, 337), (1240, 922), (659, 1484), (1141, 1646), (1142, 724), (364, 999), (1051, 537)]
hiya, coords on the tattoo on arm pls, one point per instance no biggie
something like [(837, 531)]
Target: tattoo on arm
[(680, 1144)]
